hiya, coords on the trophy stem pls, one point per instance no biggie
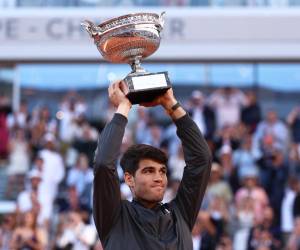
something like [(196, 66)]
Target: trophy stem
[(136, 66)]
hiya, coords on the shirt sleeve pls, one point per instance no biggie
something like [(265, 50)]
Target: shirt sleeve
[(106, 195), (196, 172)]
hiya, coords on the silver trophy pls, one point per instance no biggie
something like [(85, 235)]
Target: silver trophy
[(129, 39)]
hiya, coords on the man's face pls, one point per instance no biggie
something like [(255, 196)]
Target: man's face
[(149, 183), (271, 116), (35, 182)]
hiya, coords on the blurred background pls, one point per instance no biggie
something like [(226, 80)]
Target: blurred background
[(233, 64)]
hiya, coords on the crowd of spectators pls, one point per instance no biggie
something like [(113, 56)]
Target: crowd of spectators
[(252, 200)]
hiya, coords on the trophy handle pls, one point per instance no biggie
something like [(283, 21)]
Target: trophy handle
[(162, 19), (91, 28)]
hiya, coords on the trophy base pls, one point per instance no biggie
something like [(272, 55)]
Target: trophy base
[(145, 87)]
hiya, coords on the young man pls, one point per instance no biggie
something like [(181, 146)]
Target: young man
[(146, 223)]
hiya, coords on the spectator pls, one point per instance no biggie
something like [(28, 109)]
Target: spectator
[(6, 230), (85, 138), (227, 103), (250, 188), (245, 218), (225, 243), (244, 156), (53, 170), (274, 174), (81, 177), (293, 121), (264, 233), (19, 159), (225, 144), (203, 233), (28, 235), (67, 122), (218, 187), (32, 199), (290, 208), (202, 114), (294, 240), (75, 234), (5, 109), (219, 215), (176, 165), (19, 118), (251, 113), (271, 127)]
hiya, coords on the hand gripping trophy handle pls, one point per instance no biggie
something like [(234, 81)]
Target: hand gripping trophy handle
[(129, 39)]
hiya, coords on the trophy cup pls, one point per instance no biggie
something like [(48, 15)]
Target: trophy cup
[(129, 39)]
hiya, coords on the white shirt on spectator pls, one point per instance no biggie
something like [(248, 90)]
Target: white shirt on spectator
[(24, 204), (227, 108), (198, 118), (196, 242), (287, 218), (75, 236), (52, 174)]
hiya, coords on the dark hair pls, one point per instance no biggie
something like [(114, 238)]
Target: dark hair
[(134, 154)]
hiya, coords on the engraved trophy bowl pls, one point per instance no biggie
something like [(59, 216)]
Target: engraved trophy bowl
[(129, 39)]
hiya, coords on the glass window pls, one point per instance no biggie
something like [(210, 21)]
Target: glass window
[(282, 77), (100, 75), (240, 75)]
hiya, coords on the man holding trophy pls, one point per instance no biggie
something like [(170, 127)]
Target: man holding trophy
[(145, 223)]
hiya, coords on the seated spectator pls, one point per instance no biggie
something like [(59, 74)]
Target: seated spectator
[(245, 216), (32, 199), (225, 243), (250, 188), (217, 187), (81, 177), (7, 228), (219, 215), (264, 233), (28, 235), (75, 234), (204, 233)]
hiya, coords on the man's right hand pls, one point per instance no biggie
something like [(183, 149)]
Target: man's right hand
[(116, 93)]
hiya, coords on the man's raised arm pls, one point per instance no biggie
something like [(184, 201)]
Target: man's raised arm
[(107, 198), (198, 162)]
